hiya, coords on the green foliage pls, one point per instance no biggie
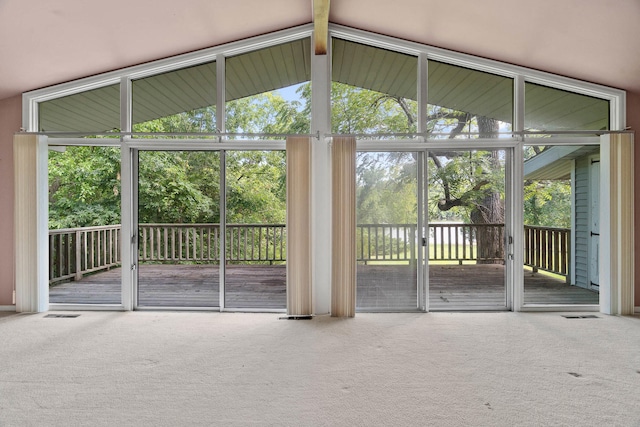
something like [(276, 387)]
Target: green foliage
[(256, 187), (184, 186), (547, 203), (386, 188), (468, 176), (357, 110), (172, 190), (84, 187), (267, 113)]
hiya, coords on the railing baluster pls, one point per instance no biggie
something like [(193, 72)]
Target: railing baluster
[(253, 242), (60, 257), (194, 243), (165, 240), (216, 239), (259, 240), (78, 263), (282, 240), (52, 257), (412, 243)]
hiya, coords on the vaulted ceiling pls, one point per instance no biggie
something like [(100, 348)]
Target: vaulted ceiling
[(54, 42)]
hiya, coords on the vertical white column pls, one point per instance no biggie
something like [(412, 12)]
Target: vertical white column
[(422, 233), (128, 209), (30, 155), (220, 93), (321, 181), (423, 91), (222, 230), (515, 227), (221, 125), (515, 181), (518, 104), (423, 188)]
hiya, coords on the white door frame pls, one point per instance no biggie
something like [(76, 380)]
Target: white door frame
[(513, 195), (594, 221)]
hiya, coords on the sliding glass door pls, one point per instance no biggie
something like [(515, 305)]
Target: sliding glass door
[(387, 233), (211, 229), (178, 228), (255, 246), (437, 221), (467, 220), (84, 225)]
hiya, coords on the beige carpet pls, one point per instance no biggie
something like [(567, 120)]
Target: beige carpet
[(181, 369)]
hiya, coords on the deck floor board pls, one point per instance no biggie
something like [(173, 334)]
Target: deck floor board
[(380, 287)]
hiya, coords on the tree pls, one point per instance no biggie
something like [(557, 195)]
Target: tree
[(171, 189), (546, 202), (84, 187), (483, 194), (463, 185), (181, 186)]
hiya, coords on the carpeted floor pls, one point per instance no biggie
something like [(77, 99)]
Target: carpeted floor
[(441, 369)]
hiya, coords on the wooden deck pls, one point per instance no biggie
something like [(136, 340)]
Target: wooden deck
[(380, 287), (459, 287)]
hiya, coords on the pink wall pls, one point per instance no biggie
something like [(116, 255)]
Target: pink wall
[(10, 122)]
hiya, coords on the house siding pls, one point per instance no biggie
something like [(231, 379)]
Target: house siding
[(581, 188)]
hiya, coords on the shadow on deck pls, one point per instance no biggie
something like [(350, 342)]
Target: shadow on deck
[(380, 287)]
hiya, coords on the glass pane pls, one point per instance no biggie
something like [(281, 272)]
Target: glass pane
[(256, 249), (84, 225), (554, 109), (466, 229), (386, 233), (465, 103), (177, 101), (268, 90), (373, 90), (179, 229), (93, 111), (557, 271)]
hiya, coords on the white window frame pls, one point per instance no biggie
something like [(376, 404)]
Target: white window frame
[(320, 121)]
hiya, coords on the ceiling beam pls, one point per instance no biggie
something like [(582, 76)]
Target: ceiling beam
[(321, 25)]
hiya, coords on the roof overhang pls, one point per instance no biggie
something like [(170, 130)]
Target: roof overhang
[(555, 163)]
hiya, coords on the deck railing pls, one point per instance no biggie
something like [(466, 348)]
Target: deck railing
[(463, 242), (548, 249), (446, 242), (201, 242), (78, 251)]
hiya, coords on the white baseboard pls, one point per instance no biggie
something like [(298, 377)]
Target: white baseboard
[(636, 310), (7, 308)]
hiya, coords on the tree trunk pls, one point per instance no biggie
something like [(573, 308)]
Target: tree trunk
[(490, 209)]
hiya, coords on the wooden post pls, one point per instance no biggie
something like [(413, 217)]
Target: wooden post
[(78, 245), (321, 26)]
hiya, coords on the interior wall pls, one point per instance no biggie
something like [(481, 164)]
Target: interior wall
[(633, 121), (10, 122)]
